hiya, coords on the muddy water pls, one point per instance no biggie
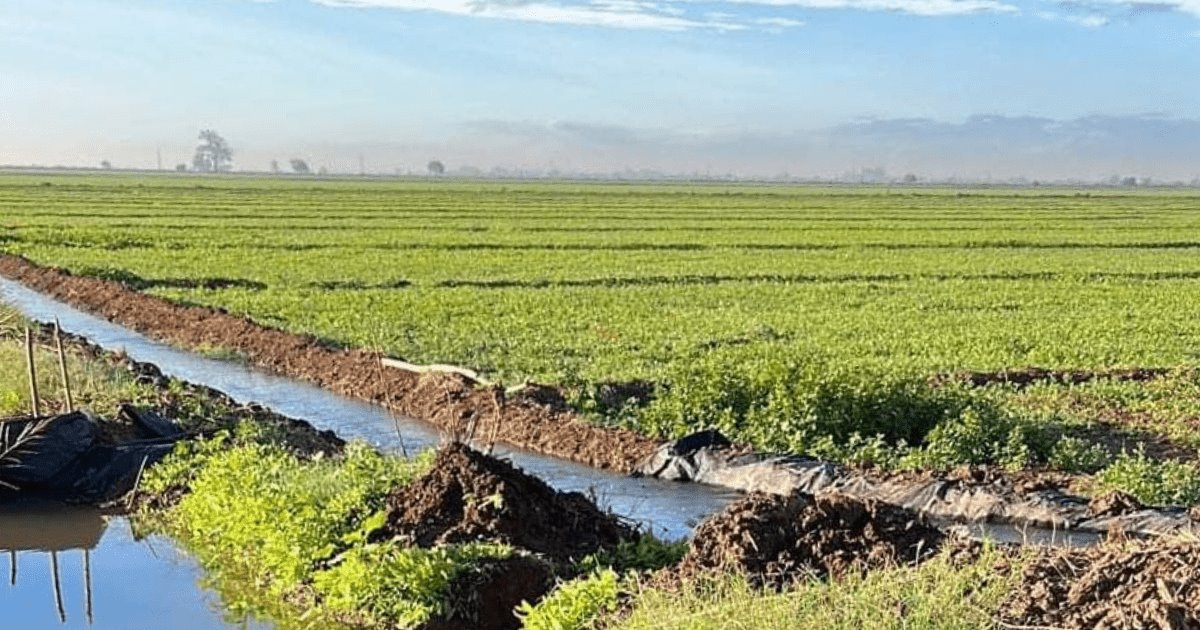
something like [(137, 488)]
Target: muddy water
[(72, 567), (665, 508)]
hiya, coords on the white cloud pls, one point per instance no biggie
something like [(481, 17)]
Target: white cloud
[(669, 15), (629, 14), (915, 7), (779, 22), (1092, 12), (1093, 20)]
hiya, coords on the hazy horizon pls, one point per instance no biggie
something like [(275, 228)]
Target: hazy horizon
[(813, 88)]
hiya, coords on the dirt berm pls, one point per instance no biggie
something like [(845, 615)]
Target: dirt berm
[(774, 540), (448, 401), (468, 496), (1120, 585)]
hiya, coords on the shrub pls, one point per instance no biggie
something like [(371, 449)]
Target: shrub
[(1152, 481), (796, 403), (575, 604), (1074, 455), (403, 586)]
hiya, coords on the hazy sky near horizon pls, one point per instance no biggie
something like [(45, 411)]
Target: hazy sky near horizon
[(969, 87)]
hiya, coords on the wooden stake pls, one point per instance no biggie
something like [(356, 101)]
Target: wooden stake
[(33, 386), (62, 366), (87, 584), (58, 598)]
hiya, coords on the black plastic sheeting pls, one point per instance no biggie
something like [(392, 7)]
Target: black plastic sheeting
[(63, 459), (708, 458)]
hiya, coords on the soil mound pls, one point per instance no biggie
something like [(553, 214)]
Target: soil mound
[(469, 496), (776, 540), (1133, 586)]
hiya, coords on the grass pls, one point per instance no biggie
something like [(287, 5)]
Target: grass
[(941, 593)]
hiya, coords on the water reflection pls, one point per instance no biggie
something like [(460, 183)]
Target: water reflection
[(74, 567)]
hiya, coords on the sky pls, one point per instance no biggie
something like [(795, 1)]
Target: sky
[(969, 88)]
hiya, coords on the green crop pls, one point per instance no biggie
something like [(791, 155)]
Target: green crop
[(806, 318)]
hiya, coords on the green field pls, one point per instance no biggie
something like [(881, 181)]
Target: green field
[(763, 310)]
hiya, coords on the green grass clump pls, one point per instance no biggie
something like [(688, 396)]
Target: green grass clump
[(940, 594), (270, 528), (383, 583), (575, 604), (259, 505), (1151, 481), (796, 403)]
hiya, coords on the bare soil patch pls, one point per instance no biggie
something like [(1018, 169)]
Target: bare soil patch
[(776, 540), (1122, 585)]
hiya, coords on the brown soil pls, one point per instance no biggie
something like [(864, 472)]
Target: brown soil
[(485, 597), (469, 496), (1113, 504), (1116, 586), (775, 540), (447, 401)]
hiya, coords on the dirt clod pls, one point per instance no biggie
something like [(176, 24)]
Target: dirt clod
[(776, 540), (1123, 585), (1114, 504), (469, 496)]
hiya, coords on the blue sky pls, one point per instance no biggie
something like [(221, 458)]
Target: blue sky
[(749, 86)]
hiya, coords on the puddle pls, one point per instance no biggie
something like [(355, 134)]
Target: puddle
[(73, 567), (665, 508)]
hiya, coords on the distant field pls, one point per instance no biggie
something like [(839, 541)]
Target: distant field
[(579, 284)]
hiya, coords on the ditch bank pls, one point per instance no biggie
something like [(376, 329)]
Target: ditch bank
[(79, 457), (450, 402)]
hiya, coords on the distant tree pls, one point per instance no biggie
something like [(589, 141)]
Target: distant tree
[(1129, 181), (910, 179), (213, 155), (181, 168), (322, 171), (106, 165), (274, 166), (300, 167), (436, 168)]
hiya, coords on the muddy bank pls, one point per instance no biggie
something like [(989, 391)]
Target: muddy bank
[(451, 402), (1120, 585), (201, 409)]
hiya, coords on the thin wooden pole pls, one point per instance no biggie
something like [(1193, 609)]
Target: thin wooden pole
[(12, 567), (62, 365), (33, 386), (58, 598), (87, 584)]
